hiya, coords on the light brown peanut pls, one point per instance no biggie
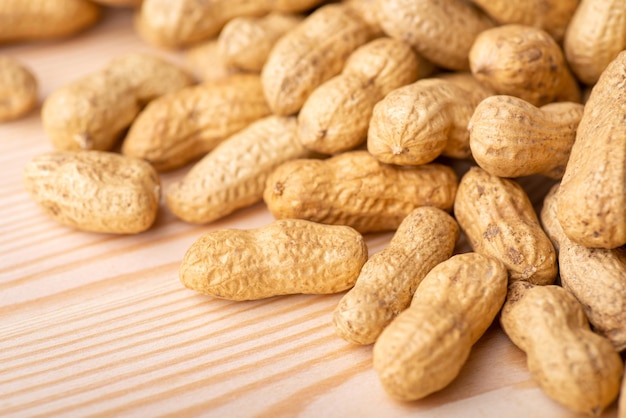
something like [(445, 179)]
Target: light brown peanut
[(594, 37), (499, 221), (233, 175), (525, 62), (425, 347), (183, 126), (595, 276), (355, 189), (387, 281), (336, 116), (368, 11), (19, 89), (416, 123), (510, 137), (440, 30), (592, 196), (285, 257), (94, 111), (95, 191), (206, 63), (572, 365), (310, 54)]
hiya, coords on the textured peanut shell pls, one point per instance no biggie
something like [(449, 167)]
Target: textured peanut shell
[(233, 175), (18, 89), (183, 126), (387, 281), (525, 62), (336, 116), (355, 189), (285, 257), (425, 347), (595, 276), (94, 111), (552, 16), (592, 196), (29, 20), (414, 124), (499, 221), (574, 366), (594, 37), (440, 30), (245, 42), (205, 62), (510, 137), (95, 191), (310, 54)]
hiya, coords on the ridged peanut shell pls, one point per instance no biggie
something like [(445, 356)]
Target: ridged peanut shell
[(18, 89)]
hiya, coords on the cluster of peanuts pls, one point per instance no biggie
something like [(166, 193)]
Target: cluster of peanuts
[(343, 118)]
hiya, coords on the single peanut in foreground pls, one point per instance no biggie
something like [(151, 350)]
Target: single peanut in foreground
[(18, 89), (285, 257), (95, 191), (572, 365), (387, 282), (355, 189), (425, 347)]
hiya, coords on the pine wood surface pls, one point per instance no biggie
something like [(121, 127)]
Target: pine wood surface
[(99, 325)]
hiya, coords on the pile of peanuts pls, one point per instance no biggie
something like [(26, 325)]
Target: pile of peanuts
[(343, 118)]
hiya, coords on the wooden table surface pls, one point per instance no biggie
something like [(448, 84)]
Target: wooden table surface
[(99, 325)]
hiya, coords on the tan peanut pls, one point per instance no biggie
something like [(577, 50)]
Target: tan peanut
[(180, 23), (94, 111), (29, 20), (440, 30), (205, 62), (310, 54), (510, 137), (595, 276), (387, 281), (233, 175), (245, 42), (594, 37), (183, 126), (355, 189), (524, 62), (552, 16), (368, 11), (499, 221), (425, 347), (95, 190), (285, 257), (572, 365), (416, 123), (19, 89), (592, 196), (336, 116)]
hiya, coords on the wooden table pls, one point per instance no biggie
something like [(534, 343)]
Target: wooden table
[(98, 324)]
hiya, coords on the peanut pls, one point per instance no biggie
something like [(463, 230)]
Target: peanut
[(594, 37), (95, 190), (510, 137), (592, 196), (233, 175), (355, 189), (29, 20), (525, 62), (205, 62), (94, 111), (595, 276), (18, 89), (572, 365), (285, 257), (368, 11), (310, 54), (416, 123), (183, 126), (499, 221), (336, 116), (387, 281), (440, 30), (425, 347), (621, 408)]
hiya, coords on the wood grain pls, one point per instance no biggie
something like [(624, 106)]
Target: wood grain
[(99, 325)]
